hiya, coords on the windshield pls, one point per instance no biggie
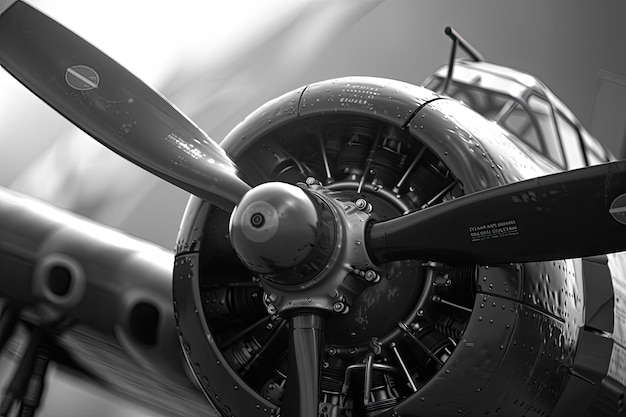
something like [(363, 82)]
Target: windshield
[(531, 120)]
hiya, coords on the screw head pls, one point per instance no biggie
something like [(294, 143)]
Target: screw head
[(339, 306), (371, 276), (363, 205)]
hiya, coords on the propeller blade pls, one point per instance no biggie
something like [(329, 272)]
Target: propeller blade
[(109, 103), (306, 345), (566, 215)]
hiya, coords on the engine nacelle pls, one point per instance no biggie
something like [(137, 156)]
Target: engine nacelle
[(426, 339)]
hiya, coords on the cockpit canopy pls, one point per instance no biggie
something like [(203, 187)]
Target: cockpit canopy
[(526, 107)]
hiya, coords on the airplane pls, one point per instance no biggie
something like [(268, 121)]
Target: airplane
[(357, 246)]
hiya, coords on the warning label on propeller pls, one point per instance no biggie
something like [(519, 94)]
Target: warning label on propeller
[(493, 230)]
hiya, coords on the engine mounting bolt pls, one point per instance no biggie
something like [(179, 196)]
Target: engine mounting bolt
[(363, 205), (271, 297), (332, 351), (372, 276), (271, 309), (339, 306), (311, 181)]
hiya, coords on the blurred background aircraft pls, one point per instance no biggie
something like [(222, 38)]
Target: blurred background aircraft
[(218, 61)]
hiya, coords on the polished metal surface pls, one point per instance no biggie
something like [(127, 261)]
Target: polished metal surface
[(283, 233), (115, 107), (495, 337)]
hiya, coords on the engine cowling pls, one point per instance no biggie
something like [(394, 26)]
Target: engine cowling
[(414, 336)]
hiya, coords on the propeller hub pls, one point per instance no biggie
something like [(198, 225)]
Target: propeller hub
[(283, 233)]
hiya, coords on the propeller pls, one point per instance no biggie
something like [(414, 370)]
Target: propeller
[(306, 344), (565, 215), (116, 108), (109, 103)]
